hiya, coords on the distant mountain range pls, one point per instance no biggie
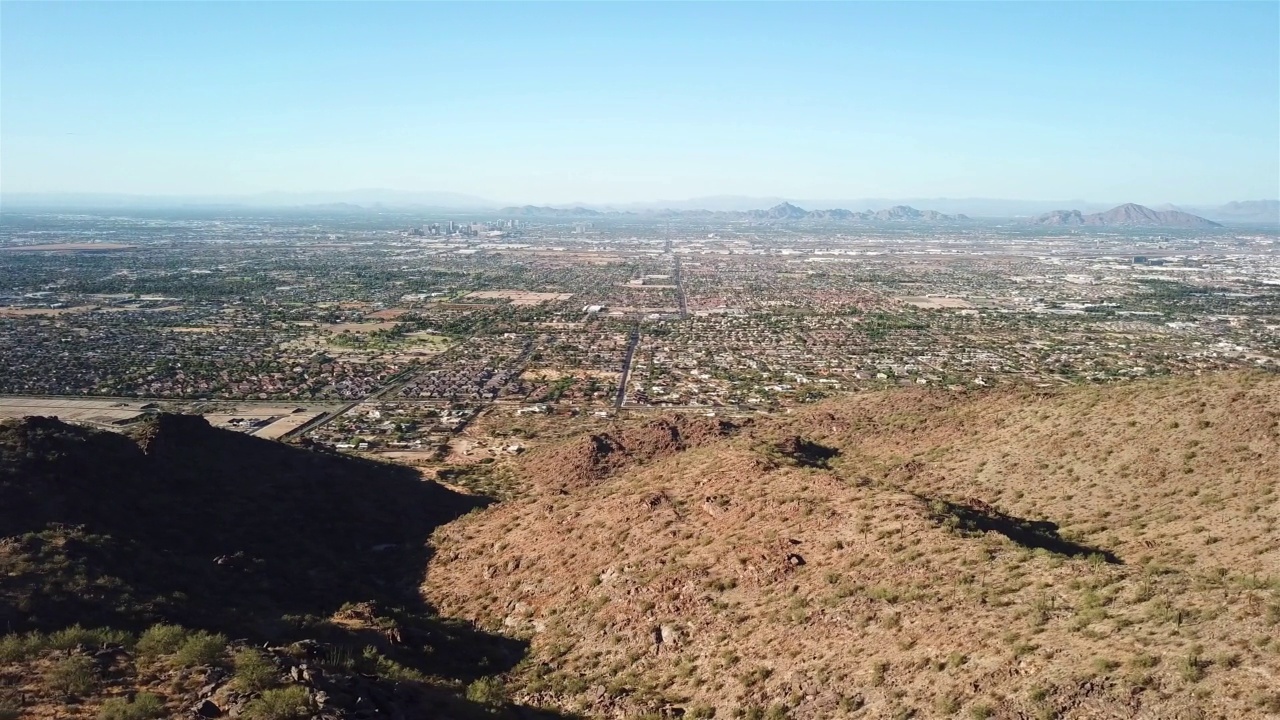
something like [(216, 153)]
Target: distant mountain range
[(1248, 211), (712, 207), (346, 200), (1127, 215), (781, 213), (975, 207)]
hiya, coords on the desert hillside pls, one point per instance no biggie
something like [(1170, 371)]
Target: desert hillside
[(1091, 552), (194, 572)]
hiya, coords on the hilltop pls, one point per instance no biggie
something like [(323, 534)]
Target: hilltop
[(597, 455), (147, 563), (1127, 215), (1082, 553)]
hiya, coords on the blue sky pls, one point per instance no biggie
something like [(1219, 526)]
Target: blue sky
[(614, 102)]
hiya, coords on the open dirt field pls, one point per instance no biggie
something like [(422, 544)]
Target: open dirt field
[(366, 327), (20, 312), (549, 375), (938, 303), (409, 457), (280, 420), (519, 297), (388, 314), (97, 412), (68, 247)]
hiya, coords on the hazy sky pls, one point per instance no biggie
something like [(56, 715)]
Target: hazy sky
[(614, 102)]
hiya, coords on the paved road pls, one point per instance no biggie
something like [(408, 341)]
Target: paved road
[(684, 307), (626, 366), (319, 422), (395, 382)]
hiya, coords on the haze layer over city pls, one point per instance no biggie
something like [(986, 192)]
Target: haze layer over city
[(639, 360)]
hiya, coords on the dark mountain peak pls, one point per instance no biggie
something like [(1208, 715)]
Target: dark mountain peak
[(168, 430), (181, 493), (45, 456), (317, 557), (36, 424)]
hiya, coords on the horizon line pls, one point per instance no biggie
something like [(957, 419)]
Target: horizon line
[(467, 201)]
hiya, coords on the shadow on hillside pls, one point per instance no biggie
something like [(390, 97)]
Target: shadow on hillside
[(979, 517), (805, 453), (217, 530)]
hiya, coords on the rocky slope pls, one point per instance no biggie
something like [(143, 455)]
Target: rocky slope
[(1091, 552), (1097, 552), (595, 456), (241, 542)]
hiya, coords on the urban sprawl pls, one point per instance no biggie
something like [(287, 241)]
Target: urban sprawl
[(390, 332)]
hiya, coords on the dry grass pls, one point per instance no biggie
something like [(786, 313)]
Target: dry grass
[(728, 577)]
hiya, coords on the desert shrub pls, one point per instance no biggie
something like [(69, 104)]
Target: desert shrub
[(1229, 660), (339, 657), (756, 676), (286, 703), (374, 662), (948, 705), (160, 640), (487, 691), (1269, 702), (17, 647), (144, 706), (1104, 665), (254, 670), (201, 648), (878, 672), (73, 676), (71, 637), (981, 712), (1192, 667), (74, 636), (1144, 661)]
